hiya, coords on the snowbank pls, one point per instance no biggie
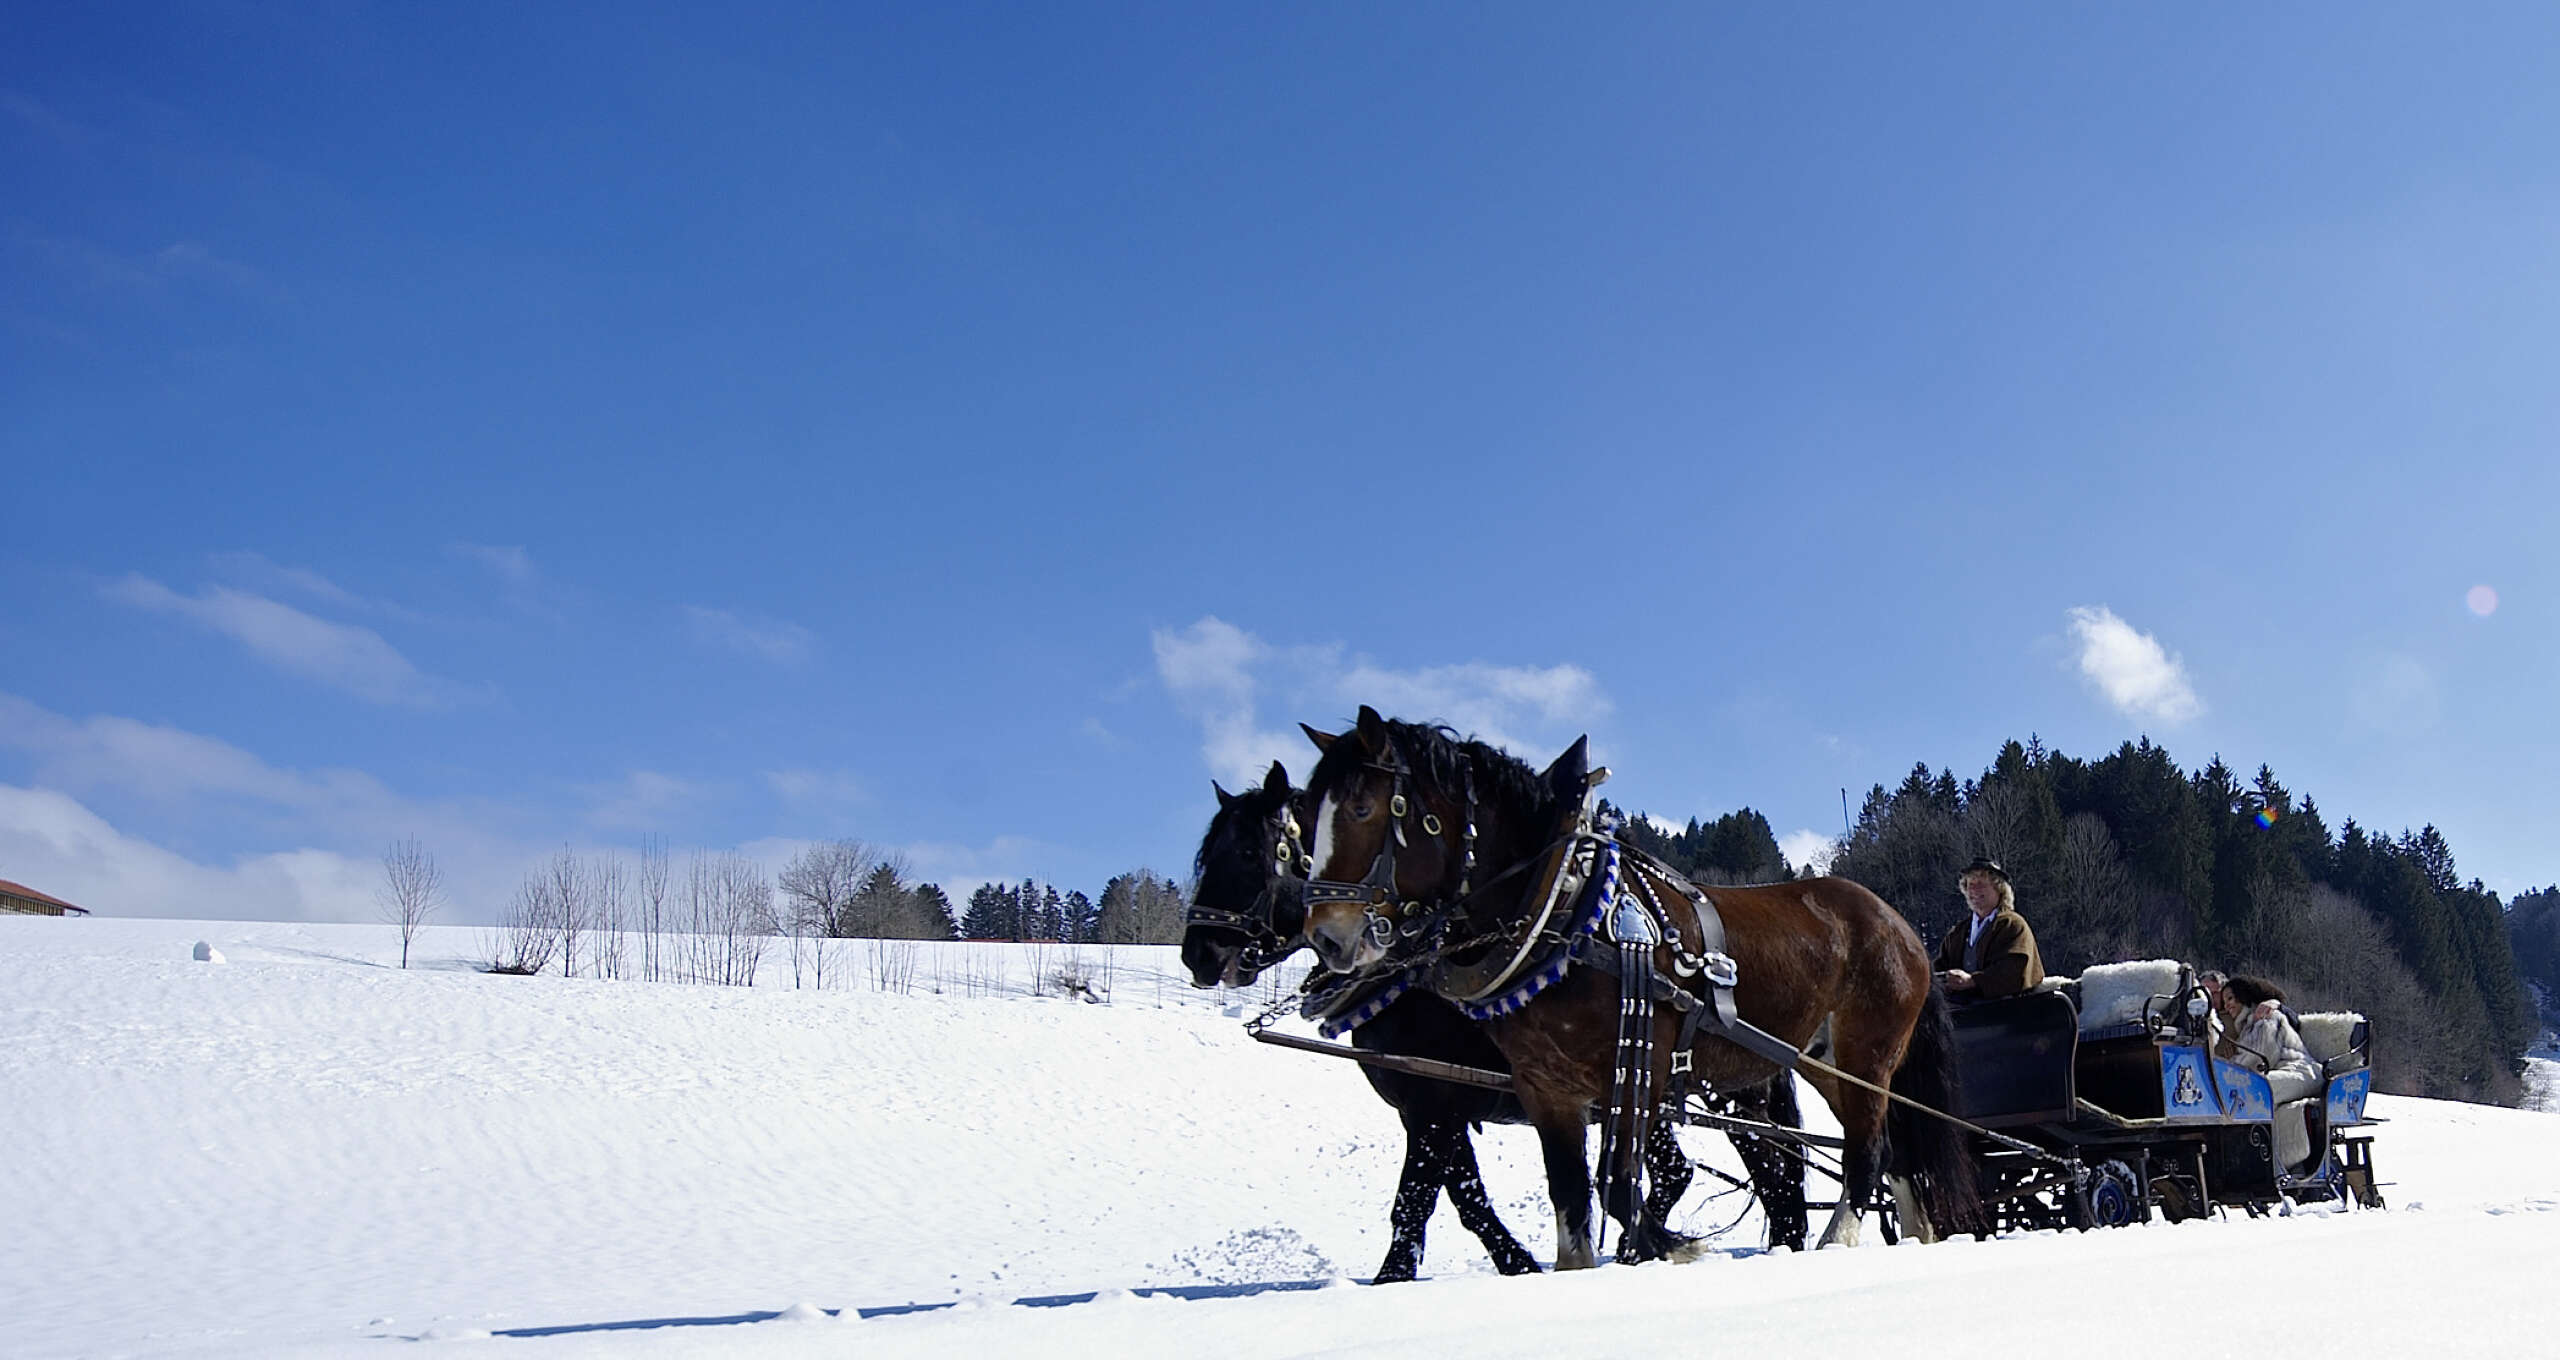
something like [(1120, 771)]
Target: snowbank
[(309, 1151)]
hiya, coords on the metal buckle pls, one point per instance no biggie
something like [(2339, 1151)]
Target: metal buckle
[(1721, 970), (1683, 1063)]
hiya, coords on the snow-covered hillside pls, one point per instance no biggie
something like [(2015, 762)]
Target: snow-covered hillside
[(301, 1150)]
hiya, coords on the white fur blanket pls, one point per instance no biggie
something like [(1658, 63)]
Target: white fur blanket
[(2115, 993), (2327, 1034)]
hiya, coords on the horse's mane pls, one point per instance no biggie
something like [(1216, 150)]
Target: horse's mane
[(1250, 807), (1438, 754)]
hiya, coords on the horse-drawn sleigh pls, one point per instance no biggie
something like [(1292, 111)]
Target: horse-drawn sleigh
[(1496, 953)]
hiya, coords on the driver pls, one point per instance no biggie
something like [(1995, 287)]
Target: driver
[(1992, 954)]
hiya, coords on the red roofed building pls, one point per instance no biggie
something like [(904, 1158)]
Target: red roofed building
[(18, 897)]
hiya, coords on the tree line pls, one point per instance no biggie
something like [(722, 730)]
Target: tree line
[(2129, 856), (710, 917), (1135, 908)]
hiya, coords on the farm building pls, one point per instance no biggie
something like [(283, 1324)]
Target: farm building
[(18, 897)]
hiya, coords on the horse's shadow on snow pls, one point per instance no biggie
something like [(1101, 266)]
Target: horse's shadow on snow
[(1181, 1291)]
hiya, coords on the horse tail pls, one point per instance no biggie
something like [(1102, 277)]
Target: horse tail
[(1933, 1151)]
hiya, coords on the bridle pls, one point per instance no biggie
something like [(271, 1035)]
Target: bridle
[(1375, 891), (1264, 945)]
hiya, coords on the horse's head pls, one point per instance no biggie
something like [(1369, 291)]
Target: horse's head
[(1403, 816), (1248, 910)]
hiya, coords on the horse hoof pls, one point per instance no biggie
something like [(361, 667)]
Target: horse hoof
[(1689, 1249)]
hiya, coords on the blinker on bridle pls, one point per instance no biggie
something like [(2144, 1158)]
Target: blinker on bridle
[(1263, 945), (1375, 892)]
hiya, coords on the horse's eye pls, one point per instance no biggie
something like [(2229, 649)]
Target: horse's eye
[(1363, 810)]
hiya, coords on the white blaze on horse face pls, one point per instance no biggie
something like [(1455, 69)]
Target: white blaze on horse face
[(1322, 856)]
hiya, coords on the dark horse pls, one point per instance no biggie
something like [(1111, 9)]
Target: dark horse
[(1824, 965), (1247, 916)]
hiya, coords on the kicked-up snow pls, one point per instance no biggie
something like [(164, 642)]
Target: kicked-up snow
[(307, 1151)]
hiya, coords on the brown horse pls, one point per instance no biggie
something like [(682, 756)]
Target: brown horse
[(1409, 818)]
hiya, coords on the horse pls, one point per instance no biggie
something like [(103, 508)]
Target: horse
[(1403, 815), (1246, 916)]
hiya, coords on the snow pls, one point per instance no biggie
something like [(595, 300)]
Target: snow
[(310, 1152)]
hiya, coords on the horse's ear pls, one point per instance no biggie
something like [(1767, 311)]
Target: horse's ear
[(1323, 740), (1570, 775), (1373, 730), (1225, 799), (1276, 783)]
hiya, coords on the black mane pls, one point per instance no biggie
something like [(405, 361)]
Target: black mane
[(1246, 809), (1437, 756)]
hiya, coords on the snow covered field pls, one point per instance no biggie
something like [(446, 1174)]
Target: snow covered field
[(303, 1151)]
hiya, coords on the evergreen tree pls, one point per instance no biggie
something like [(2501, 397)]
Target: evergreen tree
[(993, 914), (933, 913)]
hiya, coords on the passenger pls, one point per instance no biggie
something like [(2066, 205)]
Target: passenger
[(2212, 980), (2250, 1027), (1993, 954)]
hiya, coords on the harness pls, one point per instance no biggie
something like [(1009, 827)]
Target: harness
[(1581, 911)]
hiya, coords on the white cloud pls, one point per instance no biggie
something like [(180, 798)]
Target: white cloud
[(52, 842), (1481, 700), (314, 838), (1208, 668), (511, 562), (1218, 675), (257, 569), (340, 655), (2131, 668), (521, 584), (769, 639), (1809, 847), (822, 787), (643, 800), (167, 764)]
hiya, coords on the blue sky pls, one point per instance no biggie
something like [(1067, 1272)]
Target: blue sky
[(970, 430)]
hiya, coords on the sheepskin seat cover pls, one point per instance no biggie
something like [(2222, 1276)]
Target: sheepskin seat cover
[(2114, 994), (2326, 1036)]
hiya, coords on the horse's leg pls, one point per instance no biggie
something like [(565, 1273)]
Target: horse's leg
[(1907, 1208), (1475, 1208), (1861, 1114), (1667, 1165), (1417, 1193), (1648, 1225), (1777, 1171), (1559, 1124)]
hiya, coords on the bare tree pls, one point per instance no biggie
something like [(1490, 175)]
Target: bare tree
[(652, 884), (728, 914), (529, 935), (818, 888), (570, 908), (412, 888), (608, 891)]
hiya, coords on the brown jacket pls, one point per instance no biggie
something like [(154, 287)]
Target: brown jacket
[(2009, 963)]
